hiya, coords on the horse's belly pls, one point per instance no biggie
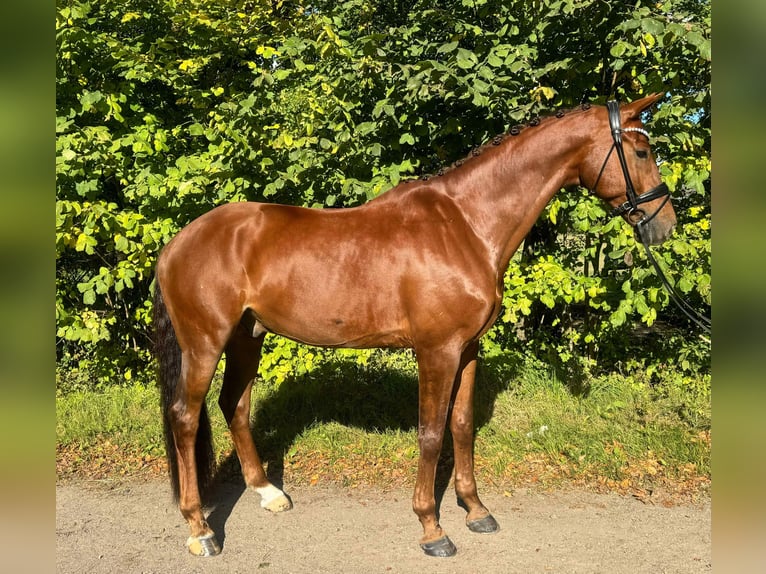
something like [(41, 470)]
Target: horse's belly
[(348, 317), (352, 341), (334, 331)]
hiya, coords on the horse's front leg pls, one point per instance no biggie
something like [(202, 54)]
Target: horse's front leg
[(436, 372), (461, 425)]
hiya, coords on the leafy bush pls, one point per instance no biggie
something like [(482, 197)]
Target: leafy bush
[(167, 109)]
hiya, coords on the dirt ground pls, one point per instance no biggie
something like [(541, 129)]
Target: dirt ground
[(133, 526)]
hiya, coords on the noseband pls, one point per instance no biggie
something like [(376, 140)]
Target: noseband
[(630, 207)]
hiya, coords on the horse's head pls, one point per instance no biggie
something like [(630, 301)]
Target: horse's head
[(621, 170)]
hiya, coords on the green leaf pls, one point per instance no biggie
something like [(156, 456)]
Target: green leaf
[(494, 61), (88, 99), (547, 300), (618, 49), (517, 66), (466, 59), (617, 318), (695, 39), (365, 128), (652, 26), (446, 48)]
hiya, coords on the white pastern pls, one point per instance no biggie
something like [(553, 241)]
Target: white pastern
[(273, 499)]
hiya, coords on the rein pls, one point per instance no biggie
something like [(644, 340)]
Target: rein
[(631, 207)]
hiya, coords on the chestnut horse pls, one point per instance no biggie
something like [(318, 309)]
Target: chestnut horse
[(421, 266)]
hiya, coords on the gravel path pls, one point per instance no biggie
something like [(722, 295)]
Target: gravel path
[(133, 526)]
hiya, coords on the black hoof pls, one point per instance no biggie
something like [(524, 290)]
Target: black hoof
[(483, 525), (443, 548)]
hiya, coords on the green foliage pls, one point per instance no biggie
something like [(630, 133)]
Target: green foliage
[(166, 109)]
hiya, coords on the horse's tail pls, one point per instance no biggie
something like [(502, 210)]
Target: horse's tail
[(168, 355)]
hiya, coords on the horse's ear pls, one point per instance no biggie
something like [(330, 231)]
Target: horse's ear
[(633, 110)]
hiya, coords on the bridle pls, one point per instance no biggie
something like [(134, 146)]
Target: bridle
[(631, 208), (633, 201)]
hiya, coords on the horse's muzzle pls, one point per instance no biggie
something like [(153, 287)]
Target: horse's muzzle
[(654, 232)]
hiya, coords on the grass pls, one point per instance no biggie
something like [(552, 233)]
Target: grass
[(356, 425), (128, 415)]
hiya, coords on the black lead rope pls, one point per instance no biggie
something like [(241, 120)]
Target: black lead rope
[(703, 322), (631, 206)]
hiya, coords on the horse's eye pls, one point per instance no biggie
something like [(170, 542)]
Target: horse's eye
[(642, 153)]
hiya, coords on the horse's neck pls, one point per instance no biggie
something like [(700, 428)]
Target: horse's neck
[(505, 192)]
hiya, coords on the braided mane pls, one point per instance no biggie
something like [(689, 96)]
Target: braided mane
[(500, 138)]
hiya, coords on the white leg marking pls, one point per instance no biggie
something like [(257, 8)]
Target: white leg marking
[(268, 494), (273, 499)]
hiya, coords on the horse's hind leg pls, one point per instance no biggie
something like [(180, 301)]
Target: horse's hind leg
[(188, 416), (242, 356), (461, 425)]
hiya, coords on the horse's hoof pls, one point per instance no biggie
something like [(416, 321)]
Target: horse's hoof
[(273, 499), (443, 547), (205, 545), (279, 504), (483, 525)]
